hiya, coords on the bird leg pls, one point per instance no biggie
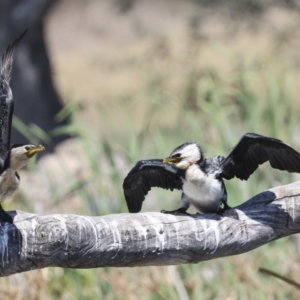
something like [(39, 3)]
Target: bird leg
[(179, 211), (223, 208), (4, 216)]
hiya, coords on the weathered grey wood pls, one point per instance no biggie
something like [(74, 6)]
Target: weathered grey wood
[(72, 241)]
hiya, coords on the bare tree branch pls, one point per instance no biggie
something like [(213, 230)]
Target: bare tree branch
[(120, 240), (283, 278)]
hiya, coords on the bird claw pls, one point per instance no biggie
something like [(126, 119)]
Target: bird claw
[(222, 209), (176, 212)]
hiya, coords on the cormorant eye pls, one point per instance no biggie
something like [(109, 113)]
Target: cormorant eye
[(176, 155)]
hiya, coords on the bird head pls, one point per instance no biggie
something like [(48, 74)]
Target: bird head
[(21, 154), (185, 155)]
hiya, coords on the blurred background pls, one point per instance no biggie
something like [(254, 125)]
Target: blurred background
[(103, 84)]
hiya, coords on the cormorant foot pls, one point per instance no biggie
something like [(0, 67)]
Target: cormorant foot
[(5, 217), (223, 208), (176, 212)]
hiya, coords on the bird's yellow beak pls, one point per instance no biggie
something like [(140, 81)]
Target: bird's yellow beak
[(173, 160), (35, 150)]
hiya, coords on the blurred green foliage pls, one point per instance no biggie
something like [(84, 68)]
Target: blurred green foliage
[(213, 107), (215, 112)]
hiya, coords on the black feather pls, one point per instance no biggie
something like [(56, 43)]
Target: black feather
[(253, 150), (6, 97), (147, 174)]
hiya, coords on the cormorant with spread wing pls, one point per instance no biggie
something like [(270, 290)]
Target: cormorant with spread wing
[(12, 158), (200, 178)]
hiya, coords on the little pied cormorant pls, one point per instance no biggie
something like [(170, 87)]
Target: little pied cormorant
[(200, 178), (12, 158)]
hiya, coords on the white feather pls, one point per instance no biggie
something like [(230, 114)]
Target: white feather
[(9, 183), (202, 190), (190, 154)]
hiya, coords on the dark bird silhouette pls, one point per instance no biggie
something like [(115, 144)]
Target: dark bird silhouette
[(11, 158)]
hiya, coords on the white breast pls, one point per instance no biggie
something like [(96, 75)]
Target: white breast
[(203, 191), (9, 184)]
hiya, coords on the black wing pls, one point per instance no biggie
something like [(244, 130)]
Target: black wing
[(253, 150), (147, 174), (6, 97)]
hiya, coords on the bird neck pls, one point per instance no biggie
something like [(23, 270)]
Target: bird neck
[(194, 173), (17, 164)]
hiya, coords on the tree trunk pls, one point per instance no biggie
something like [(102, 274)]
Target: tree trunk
[(146, 239)]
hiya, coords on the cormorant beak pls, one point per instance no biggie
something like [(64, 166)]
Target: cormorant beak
[(173, 160), (34, 150)]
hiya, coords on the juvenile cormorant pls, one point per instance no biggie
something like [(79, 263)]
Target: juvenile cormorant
[(200, 178), (11, 158)]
